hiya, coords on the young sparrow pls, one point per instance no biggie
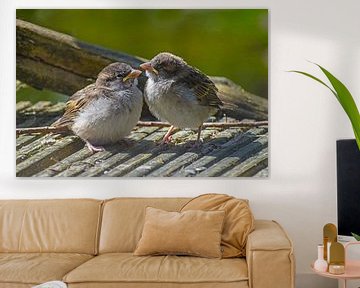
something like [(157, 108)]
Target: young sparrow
[(106, 111), (179, 93)]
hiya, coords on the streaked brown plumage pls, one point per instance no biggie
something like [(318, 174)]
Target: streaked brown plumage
[(106, 111)]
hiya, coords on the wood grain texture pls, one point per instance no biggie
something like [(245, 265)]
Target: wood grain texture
[(226, 151)]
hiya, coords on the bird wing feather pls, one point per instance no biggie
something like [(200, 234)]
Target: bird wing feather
[(204, 89), (75, 104)]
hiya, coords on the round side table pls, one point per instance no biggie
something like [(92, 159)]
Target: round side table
[(352, 269)]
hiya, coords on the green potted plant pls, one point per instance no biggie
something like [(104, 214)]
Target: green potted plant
[(344, 97), (346, 100)]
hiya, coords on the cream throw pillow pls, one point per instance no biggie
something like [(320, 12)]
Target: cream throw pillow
[(193, 232)]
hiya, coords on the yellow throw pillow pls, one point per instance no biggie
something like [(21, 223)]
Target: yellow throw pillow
[(239, 220), (193, 232)]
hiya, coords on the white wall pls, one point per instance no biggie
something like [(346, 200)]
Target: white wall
[(305, 121)]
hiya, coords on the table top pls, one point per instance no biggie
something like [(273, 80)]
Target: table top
[(352, 271)]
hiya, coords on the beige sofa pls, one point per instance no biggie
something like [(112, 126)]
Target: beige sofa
[(89, 243)]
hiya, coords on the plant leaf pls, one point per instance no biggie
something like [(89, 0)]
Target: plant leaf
[(344, 97), (347, 102), (314, 78), (357, 237)]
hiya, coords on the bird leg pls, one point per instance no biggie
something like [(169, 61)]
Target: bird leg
[(167, 137), (197, 143), (93, 148), (199, 140)]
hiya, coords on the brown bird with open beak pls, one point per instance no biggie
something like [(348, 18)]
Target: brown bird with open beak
[(106, 111), (179, 93)]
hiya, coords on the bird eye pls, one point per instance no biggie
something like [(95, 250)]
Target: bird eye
[(118, 76), (169, 68)]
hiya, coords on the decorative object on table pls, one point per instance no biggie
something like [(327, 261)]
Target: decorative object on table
[(337, 258), (344, 97), (340, 266), (329, 236), (320, 264), (51, 284), (336, 269)]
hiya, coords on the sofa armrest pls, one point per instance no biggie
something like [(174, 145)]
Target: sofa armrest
[(269, 256)]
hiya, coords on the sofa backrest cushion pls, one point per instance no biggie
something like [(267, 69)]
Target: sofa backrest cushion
[(239, 220), (123, 220), (64, 226)]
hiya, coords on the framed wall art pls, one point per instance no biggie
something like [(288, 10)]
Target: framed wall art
[(142, 93)]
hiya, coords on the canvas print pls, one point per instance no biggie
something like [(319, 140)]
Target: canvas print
[(142, 93)]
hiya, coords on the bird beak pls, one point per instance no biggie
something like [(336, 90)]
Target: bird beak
[(133, 74), (147, 67)]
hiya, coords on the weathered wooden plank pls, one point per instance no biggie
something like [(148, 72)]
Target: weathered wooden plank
[(77, 162), (73, 159), (34, 121), (262, 173), (76, 168), (48, 156), (165, 154), (250, 166), (220, 152), (249, 106), (23, 140), (22, 105), (179, 158), (176, 164), (41, 75), (37, 107), (61, 63), (187, 157), (56, 109), (140, 133), (179, 139), (112, 165), (41, 108), (260, 166), (153, 164), (27, 122), (164, 160), (226, 163), (26, 151), (42, 113)]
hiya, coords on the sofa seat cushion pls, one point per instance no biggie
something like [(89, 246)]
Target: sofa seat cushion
[(127, 268), (36, 268)]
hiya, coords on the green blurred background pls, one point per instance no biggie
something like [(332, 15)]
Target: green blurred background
[(230, 43)]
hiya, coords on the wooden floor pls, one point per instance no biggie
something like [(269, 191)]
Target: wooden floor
[(230, 152)]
